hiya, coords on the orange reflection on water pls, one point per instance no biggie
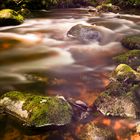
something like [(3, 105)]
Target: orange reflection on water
[(135, 137)]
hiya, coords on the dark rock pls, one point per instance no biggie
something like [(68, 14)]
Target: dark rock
[(35, 110), (84, 33), (96, 132), (120, 96), (10, 17), (131, 58), (131, 42)]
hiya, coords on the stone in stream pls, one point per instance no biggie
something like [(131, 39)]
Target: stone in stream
[(131, 42), (94, 131), (131, 58), (84, 33), (10, 17), (35, 110), (121, 97), (108, 8)]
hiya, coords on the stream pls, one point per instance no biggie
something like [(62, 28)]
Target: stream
[(38, 56)]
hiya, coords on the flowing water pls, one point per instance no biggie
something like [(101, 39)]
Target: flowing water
[(38, 56)]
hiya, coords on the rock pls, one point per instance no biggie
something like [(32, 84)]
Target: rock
[(10, 17), (131, 42), (131, 58), (120, 97), (93, 131), (84, 33), (25, 12), (108, 8), (35, 110), (138, 128), (123, 73)]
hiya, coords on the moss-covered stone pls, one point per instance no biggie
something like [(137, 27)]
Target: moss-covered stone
[(124, 72), (131, 42), (35, 110), (120, 97), (131, 58), (93, 131), (107, 8), (10, 17)]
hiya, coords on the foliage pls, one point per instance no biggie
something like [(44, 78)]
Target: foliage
[(45, 4)]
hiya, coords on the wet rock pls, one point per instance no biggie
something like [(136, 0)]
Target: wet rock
[(10, 17), (25, 12), (35, 110), (131, 42), (131, 58), (120, 97), (108, 8), (84, 33), (138, 128), (93, 131)]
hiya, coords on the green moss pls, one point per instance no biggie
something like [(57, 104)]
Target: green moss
[(131, 58), (10, 17), (123, 72), (131, 42), (42, 110), (49, 111), (107, 8), (15, 95)]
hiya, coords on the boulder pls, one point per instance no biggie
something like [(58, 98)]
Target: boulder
[(131, 58), (10, 17), (108, 8), (84, 33), (131, 42), (35, 110), (94, 131), (121, 97)]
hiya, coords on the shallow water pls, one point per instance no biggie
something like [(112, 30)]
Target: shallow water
[(38, 56)]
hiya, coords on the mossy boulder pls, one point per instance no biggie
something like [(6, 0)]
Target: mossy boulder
[(120, 97), (131, 42), (94, 131), (108, 8), (10, 17), (84, 33), (124, 72), (35, 110), (131, 58)]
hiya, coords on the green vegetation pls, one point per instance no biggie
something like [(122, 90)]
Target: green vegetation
[(131, 58), (131, 41), (46, 4), (10, 17)]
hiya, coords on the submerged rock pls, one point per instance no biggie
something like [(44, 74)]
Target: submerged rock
[(120, 97), (84, 33), (93, 131), (131, 42), (131, 58), (10, 17), (35, 110)]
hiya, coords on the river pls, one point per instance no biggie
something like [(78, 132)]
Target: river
[(38, 56)]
